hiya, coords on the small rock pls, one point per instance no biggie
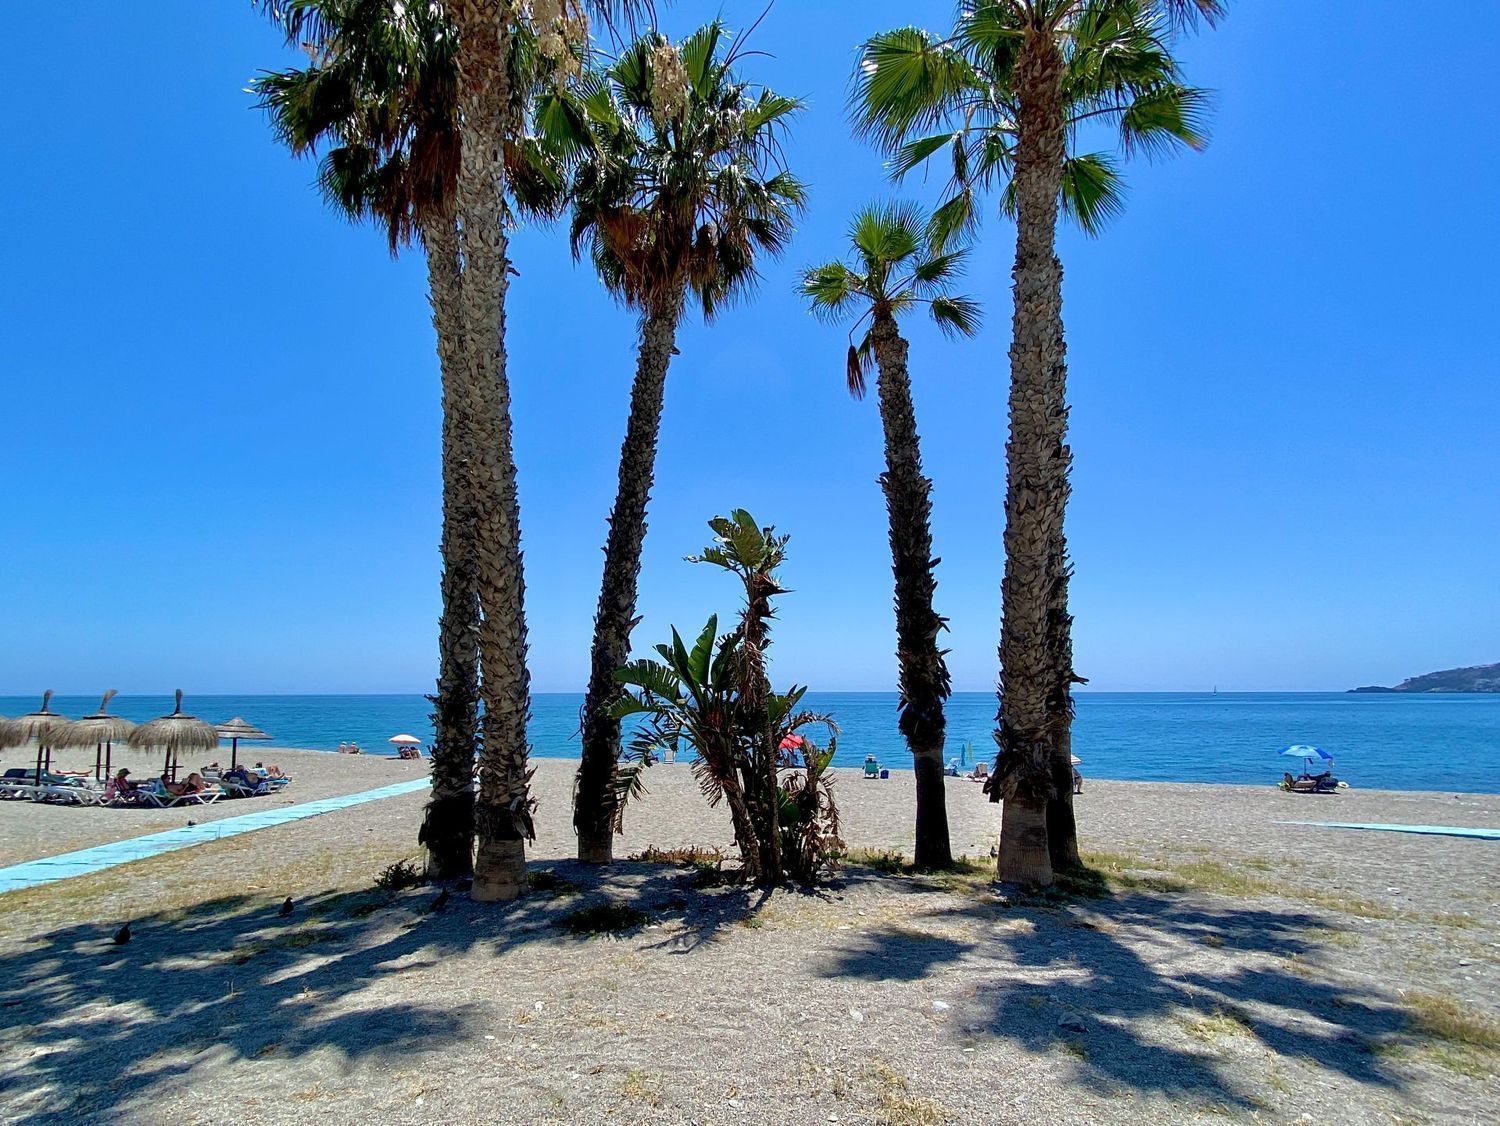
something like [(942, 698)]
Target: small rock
[(735, 1103), (856, 1016), (539, 1006), (943, 1006), (488, 1037), (1393, 890), (1463, 961)]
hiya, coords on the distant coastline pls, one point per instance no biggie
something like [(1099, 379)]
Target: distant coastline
[(1474, 678)]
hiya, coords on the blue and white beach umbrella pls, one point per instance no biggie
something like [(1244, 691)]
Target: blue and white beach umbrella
[(1309, 755)]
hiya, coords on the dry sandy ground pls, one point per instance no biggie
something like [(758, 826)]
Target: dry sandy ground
[(29, 830), (1232, 968)]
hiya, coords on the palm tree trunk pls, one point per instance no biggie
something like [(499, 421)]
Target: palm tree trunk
[(502, 814), (1062, 827), (447, 829), (1036, 476), (594, 799), (925, 683), (763, 784)]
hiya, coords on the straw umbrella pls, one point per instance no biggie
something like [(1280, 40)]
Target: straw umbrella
[(100, 731), (175, 733), (45, 726), (234, 730), (10, 734)]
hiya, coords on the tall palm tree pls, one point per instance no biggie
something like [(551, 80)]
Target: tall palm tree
[(382, 94), (897, 270), (1016, 84), (377, 99), (678, 189)]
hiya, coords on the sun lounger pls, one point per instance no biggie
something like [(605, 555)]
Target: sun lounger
[(162, 798)]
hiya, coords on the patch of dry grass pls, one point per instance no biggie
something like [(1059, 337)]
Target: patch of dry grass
[(1217, 1025), (895, 1105), (640, 1087), (1449, 1033), (1448, 1019)]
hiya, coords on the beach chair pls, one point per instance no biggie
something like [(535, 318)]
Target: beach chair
[(872, 768)]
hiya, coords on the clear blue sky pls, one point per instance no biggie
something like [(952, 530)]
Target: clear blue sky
[(221, 404)]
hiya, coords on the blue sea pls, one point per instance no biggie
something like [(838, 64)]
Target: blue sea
[(1429, 742)]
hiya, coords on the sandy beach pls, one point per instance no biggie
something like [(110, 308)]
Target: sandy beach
[(1233, 967)]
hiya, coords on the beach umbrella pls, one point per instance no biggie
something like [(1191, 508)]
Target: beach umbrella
[(10, 734), (234, 730), (174, 734), (46, 727), (1309, 755), (100, 731), (405, 740), (1076, 760)]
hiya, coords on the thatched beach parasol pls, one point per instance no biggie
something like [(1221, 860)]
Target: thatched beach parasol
[(234, 730), (10, 734), (101, 731), (175, 733), (45, 726)]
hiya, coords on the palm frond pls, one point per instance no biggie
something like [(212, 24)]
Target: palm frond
[(1093, 191), (1165, 119), (858, 367), (905, 82), (956, 316)]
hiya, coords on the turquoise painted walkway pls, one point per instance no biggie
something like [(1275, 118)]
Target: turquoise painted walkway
[(1425, 830), (96, 859)]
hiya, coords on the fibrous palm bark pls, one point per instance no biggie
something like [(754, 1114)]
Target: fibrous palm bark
[(595, 802), (447, 830), (502, 812), (1036, 472), (1062, 826), (924, 682), (762, 779)]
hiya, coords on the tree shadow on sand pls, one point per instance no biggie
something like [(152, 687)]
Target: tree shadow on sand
[(1136, 987), (86, 1025)]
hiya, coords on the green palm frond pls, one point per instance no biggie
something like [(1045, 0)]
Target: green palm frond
[(832, 289), (1092, 190), (687, 203), (920, 96), (954, 219), (956, 316), (904, 82), (1161, 121)]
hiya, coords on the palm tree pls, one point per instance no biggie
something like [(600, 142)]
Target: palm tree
[(678, 188), (504, 52), (377, 98), (1016, 84), (896, 270)]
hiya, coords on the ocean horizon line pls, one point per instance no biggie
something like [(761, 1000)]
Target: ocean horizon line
[(189, 694)]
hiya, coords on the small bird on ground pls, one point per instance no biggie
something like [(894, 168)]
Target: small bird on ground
[(440, 902), (286, 908), (122, 936)]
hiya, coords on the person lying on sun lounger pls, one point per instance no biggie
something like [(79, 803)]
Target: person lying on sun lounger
[(980, 772)]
